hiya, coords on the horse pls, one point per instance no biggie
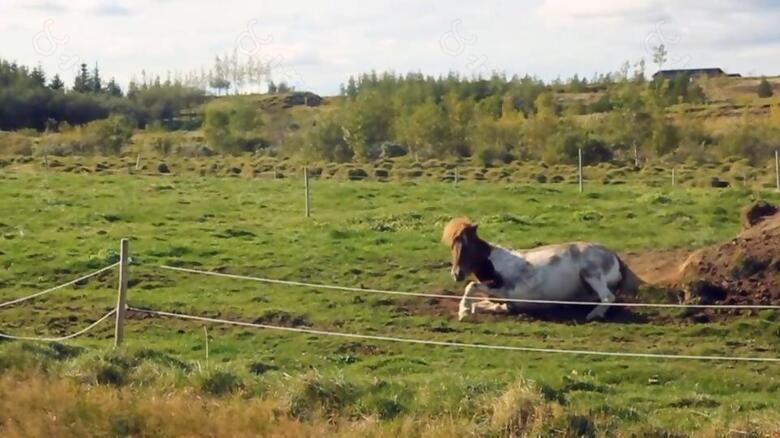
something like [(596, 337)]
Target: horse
[(572, 271)]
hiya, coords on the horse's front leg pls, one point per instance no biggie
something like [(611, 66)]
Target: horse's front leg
[(467, 303)]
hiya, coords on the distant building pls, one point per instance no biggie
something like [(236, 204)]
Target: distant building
[(694, 72)]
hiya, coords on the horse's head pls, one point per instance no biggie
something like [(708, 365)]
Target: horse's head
[(469, 252)]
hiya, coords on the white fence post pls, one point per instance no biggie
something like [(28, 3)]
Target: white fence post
[(306, 188), (138, 162), (777, 171), (121, 302), (579, 166), (672, 176)]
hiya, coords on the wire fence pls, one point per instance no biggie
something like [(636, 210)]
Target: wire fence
[(61, 338), (452, 344), (58, 287), (122, 308), (442, 296), (50, 290)]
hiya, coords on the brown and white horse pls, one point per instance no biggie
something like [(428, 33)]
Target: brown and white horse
[(574, 271)]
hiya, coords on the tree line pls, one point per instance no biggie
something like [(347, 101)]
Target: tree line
[(31, 100), (501, 119), (620, 115)]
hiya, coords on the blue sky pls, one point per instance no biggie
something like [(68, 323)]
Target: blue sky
[(319, 44)]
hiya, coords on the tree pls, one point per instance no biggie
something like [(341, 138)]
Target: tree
[(282, 87), (113, 89), (218, 77), (38, 76), (659, 55), (82, 83), (764, 88), (56, 83), (96, 82)]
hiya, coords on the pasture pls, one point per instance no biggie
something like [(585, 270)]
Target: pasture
[(57, 226)]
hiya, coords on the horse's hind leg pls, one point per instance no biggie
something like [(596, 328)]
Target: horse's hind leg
[(599, 284)]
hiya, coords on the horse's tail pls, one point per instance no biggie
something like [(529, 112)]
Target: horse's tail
[(629, 281)]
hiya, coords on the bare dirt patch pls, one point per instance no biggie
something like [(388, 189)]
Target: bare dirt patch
[(745, 270)]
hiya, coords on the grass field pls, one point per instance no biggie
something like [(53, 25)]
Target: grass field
[(57, 226)]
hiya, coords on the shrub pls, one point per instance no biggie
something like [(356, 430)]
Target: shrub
[(221, 383), (764, 88), (110, 135), (233, 127)]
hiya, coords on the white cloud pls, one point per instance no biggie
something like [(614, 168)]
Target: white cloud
[(325, 43)]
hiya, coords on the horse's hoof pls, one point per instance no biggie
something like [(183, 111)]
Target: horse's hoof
[(462, 314), (592, 316)]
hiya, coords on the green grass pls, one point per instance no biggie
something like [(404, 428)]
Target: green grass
[(55, 227)]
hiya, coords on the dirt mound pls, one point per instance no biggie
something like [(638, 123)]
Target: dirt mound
[(745, 270)]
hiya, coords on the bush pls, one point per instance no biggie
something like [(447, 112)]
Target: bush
[(110, 135), (233, 126), (221, 383), (764, 88), (12, 143)]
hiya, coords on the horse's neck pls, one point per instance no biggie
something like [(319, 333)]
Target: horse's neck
[(500, 266), (508, 263)]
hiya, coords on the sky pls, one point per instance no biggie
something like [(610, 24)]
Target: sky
[(317, 45)]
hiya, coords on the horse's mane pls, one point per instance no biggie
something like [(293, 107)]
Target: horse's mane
[(455, 228)]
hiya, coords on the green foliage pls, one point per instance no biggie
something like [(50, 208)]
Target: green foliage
[(326, 140), (221, 383), (233, 127), (27, 102), (110, 135), (754, 140), (764, 88)]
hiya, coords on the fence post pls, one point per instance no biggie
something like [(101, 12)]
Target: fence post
[(138, 162), (579, 166), (306, 188), (457, 176), (46, 160), (121, 302), (672, 176), (777, 171)]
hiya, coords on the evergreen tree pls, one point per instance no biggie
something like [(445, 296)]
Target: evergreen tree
[(56, 83), (132, 89), (96, 82), (113, 89), (38, 76), (83, 81)]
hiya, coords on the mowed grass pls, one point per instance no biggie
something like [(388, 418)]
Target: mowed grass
[(55, 227)]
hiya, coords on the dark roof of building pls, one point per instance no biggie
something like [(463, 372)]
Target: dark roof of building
[(691, 70)]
